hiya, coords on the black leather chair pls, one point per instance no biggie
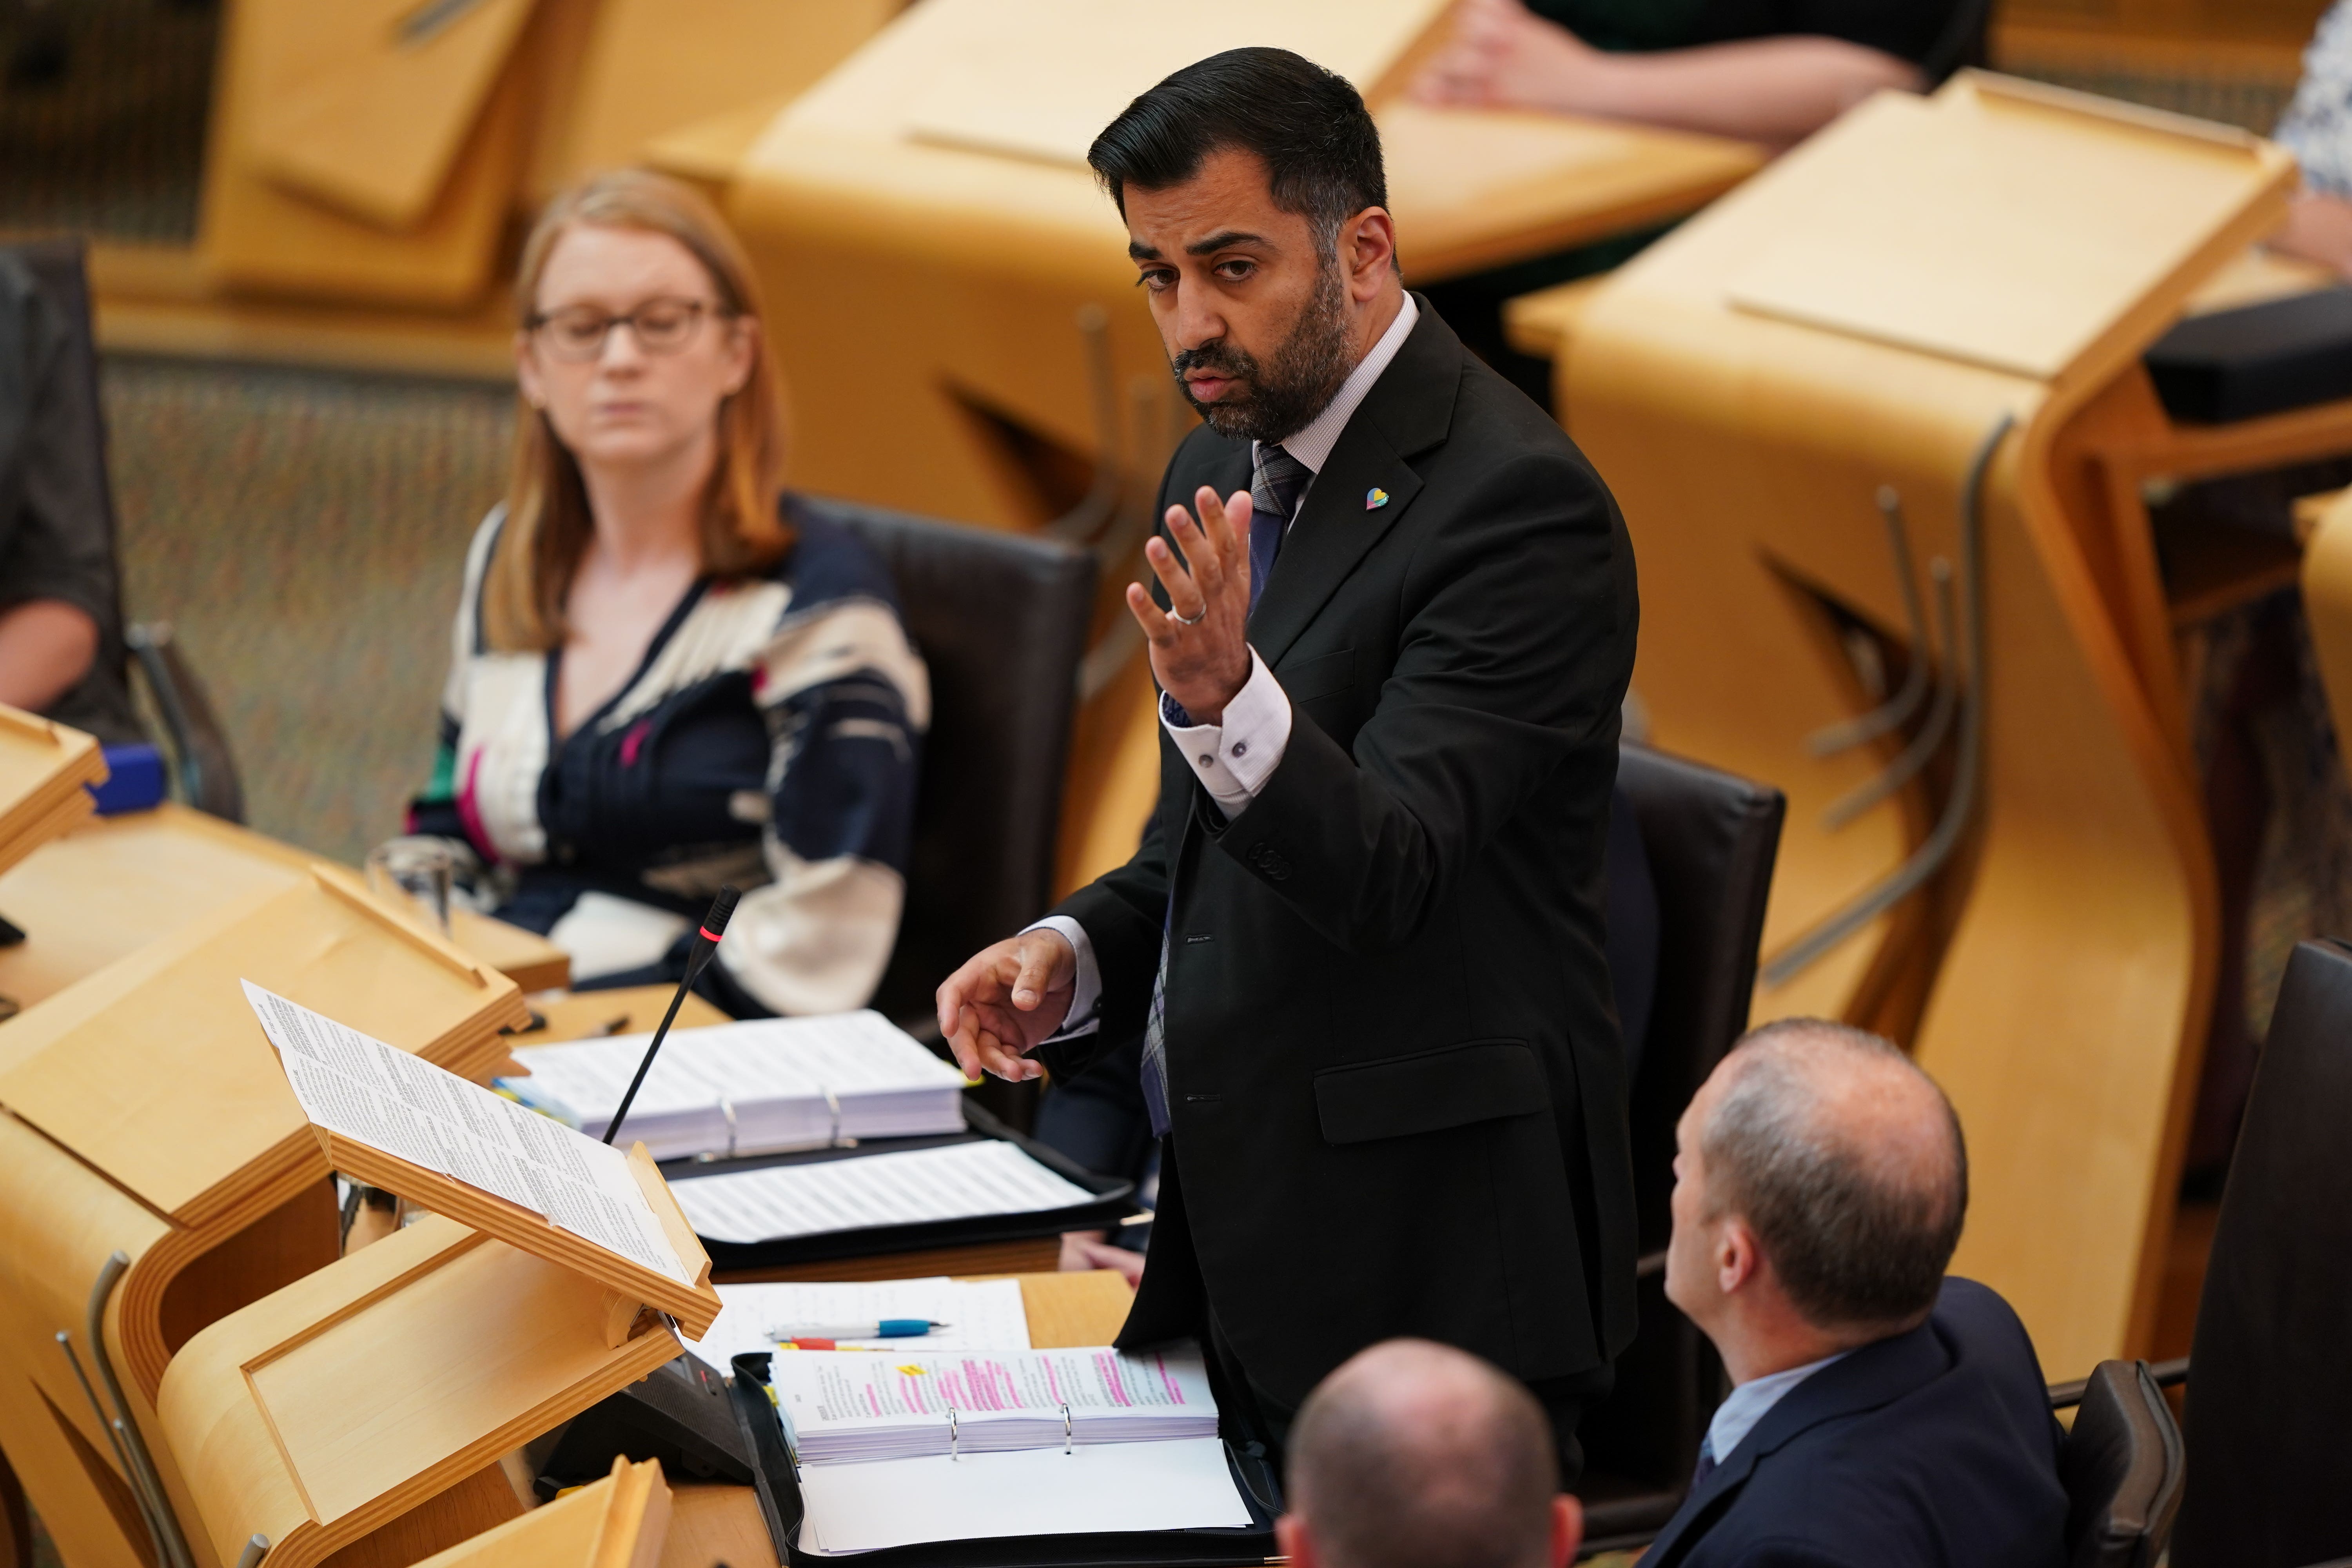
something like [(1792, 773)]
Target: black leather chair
[(1711, 838), (201, 763), (2122, 1467), (2270, 1472), (1002, 620)]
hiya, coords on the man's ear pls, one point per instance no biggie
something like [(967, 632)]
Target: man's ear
[(1737, 1258), (1292, 1541), (1369, 243), (1567, 1530)]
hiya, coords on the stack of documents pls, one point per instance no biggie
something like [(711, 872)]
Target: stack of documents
[(44, 768), (842, 1407), (978, 1315), (917, 1186), (752, 1088)]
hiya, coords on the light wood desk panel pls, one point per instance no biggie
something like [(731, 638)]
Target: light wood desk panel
[(118, 883), (2054, 976)]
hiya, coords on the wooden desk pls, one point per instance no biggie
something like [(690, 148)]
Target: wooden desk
[(118, 883), (1861, 316), (711, 1525)]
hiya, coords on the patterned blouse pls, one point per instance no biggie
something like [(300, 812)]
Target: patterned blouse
[(769, 739), (2317, 124)]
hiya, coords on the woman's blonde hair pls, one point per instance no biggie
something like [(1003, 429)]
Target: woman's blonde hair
[(547, 523)]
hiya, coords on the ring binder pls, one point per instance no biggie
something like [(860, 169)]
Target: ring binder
[(1067, 1447), (951, 1433), (776, 1476)]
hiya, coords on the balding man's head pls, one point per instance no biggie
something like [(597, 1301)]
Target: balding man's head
[(1415, 1454), (1845, 1160)]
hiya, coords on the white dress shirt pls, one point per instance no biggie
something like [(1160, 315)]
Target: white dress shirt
[(1744, 1406), (1235, 756)]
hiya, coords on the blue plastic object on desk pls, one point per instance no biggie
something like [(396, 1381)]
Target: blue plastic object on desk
[(134, 781)]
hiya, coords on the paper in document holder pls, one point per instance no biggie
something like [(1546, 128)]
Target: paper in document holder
[(398, 1123), (782, 1506), (1107, 1201)]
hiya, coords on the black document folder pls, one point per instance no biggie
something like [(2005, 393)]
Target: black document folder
[(778, 1480), (1114, 1200)]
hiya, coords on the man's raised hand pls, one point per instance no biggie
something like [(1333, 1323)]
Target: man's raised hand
[(1200, 644), (1006, 998)]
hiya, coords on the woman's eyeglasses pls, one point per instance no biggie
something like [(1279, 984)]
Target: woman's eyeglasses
[(577, 332)]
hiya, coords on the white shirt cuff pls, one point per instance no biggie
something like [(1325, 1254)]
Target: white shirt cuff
[(1085, 996), (1235, 758)]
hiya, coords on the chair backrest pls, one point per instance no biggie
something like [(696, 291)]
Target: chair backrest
[(1002, 622), (2122, 1467), (1711, 837), (2271, 1367)]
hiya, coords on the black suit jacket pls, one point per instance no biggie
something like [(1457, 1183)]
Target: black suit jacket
[(1397, 1090), (1935, 1447)]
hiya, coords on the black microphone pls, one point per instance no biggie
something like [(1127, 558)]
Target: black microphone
[(706, 943)]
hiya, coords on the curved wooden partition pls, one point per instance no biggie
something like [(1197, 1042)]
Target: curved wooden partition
[(1927, 281), (143, 1111)]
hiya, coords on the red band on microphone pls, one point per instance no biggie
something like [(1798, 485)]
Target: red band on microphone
[(709, 934)]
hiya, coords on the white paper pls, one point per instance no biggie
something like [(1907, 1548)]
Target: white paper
[(763, 1084), (1116, 1487), (373, 1093), (958, 1181), (980, 1315)]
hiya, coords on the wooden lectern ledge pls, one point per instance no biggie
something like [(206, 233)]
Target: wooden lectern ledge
[(43, 767), (348, 1398), (1852, 324), (621, 1521)]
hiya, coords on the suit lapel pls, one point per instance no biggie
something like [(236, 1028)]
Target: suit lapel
[(1874, 1376), (1408, 411)]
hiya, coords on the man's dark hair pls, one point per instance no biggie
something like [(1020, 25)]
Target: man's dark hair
[(1321, 150), (1417, 1454), (1859, 1223)]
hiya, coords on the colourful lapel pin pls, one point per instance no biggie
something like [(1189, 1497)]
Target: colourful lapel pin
[(1375, 498)]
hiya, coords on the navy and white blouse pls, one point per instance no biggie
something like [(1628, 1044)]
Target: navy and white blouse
[(769, 739)]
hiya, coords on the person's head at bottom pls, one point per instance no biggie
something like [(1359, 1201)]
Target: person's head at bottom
[(1820, 1185), (1416, 1454)]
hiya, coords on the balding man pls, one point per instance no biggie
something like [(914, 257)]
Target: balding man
[(1880, 1411), (1416, 1454)]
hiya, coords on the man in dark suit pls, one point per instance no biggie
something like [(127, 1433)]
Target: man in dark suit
[(1880, 1411), (1362, 938)]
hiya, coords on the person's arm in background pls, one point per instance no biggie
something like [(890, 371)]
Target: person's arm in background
[(1774, 90), (46, 649), (847, 700), (2317, 129), (56, 563)]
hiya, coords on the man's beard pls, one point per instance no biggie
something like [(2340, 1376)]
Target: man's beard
[(1284, 394)]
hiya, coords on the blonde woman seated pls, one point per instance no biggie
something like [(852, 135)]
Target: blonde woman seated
[(664, 680)]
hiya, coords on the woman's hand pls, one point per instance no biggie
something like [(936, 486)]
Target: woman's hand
[(1503, 56)]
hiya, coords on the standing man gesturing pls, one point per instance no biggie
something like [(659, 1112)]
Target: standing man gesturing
[(1362, 938)]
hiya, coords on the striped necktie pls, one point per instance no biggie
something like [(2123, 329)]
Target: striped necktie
[(1275, 489)]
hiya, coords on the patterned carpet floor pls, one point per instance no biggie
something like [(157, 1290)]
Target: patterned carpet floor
[(304, 534)]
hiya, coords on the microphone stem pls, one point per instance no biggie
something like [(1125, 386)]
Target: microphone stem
[(699, 956)]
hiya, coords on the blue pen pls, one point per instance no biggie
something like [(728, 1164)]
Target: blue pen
[(887, 1329)]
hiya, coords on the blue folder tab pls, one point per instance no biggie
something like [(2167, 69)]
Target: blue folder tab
[(135, 780)]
